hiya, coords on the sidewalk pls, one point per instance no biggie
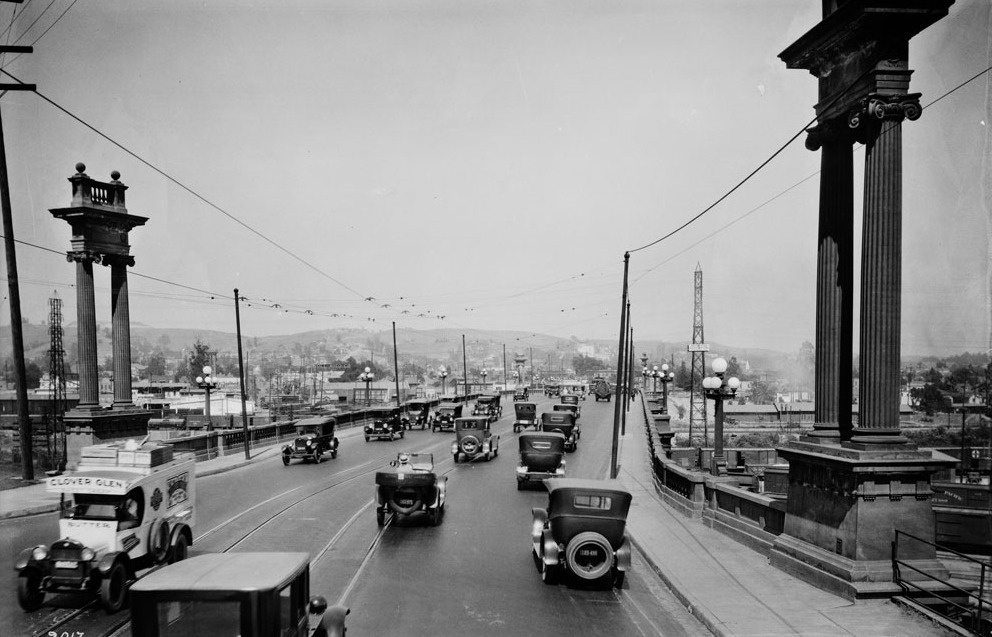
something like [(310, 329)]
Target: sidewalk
[(732, 589)]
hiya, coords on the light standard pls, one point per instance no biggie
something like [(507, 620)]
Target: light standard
[(717, 389), (443, 374), (666, 377), (654, 375), (484, 374), (367, 377), (644, 380), (206, 383)]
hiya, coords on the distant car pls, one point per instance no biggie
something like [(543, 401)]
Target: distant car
[(474, 438), (314, 437), (542, 456), (521, 393), (572, 400), (602, 390), (564, 423), (526, 416), (387, 422), (488, 405), (410, 486), (446, 415), (245, 594), (552, 390), (419, 413), (583, 531)]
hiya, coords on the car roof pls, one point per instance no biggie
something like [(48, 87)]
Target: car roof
[(473, 419), (542, 435), (585, 484), (316, 420), (225, 572)]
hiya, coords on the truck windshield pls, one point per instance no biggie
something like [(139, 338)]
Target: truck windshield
[(93, 507)]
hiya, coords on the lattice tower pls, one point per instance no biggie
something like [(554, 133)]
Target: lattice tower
[(57, 391), (697, 411)]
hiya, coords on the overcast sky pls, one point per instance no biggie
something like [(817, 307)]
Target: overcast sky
[(484, 161)]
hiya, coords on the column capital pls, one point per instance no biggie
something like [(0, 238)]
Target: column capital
[(80, 256), (118, 259), (876, 107), (827, 132)]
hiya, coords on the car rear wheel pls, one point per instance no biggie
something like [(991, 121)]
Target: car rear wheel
[(334, 453), (29, 593), (285, 460), (618, 578), (380, 516), (402, 434), (549, 573)]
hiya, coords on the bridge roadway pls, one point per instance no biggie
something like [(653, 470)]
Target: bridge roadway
[(473, 574)]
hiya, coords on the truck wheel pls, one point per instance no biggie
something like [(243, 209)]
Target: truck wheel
[(113, 588), (29, 593), (158, 540), (179, 550)]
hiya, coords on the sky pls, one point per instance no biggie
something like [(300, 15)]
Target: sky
[(362, 162)]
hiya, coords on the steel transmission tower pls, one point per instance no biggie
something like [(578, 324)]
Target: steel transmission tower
[(56, 372), (698, 347)]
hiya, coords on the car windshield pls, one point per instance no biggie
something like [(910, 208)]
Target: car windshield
[(198, 618)]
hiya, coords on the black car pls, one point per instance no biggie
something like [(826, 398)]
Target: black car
[(445, 416), (583, 531), (526, 416), (408, 486), (542, 456), (314, 437), (488, 405), (564, 423), (419, 414), (521, 393), (387, 422)]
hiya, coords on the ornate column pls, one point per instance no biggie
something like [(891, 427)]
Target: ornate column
[(89, 387), (121, 330), (880, 122), (834, 283)]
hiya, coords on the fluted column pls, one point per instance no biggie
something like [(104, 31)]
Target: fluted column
[(834, 284), (89, 388), (121, 319), (881, 266)]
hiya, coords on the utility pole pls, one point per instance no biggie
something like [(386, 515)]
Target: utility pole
[(614, 469), (241, 376), (16, 331)]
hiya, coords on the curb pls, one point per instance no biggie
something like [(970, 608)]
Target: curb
[(35, 510)]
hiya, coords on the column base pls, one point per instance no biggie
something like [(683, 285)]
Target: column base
[(823, 433)]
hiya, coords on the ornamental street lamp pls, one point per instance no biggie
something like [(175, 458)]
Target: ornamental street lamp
[(206, 383), (718, 389), (644, 378), (367, 377), (665, 377), (443, 374), (484, 374), (654, 375)]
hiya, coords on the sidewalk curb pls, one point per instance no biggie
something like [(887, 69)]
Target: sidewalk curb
[(28, 511)]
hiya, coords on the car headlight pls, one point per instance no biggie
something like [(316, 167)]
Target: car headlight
[(521, 469), (309, 442), (39, 553), (87, 554)]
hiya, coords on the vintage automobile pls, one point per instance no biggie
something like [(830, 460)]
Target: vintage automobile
[(410, 486), (552, 389), (564, 423), (566, 408), (488, 405), (419, 413), (521, 393), (542, 456), (244, 594), (127, 507), (446, 415), (526, 416), (582, 532), (314, 437), (572, 400), (387, 422), (602, 390), (474, 438)]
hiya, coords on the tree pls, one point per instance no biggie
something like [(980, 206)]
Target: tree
[(156, 365), (587, 365), (762, 393), (733, 367), (199, 357), (32, 374), (929, 399)]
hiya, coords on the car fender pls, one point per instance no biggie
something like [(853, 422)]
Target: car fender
[(109, 559), (550, 549), (24, 559), (623, 555), (287, 450)]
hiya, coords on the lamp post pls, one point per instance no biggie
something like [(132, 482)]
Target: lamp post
[(367, 377), (654, 376), (484, 374), (718, 389), (443, 374), (206, 383), (665, 378), (644, 379)]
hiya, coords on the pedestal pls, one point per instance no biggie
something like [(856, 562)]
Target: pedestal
[(844, 506), (85, 427)]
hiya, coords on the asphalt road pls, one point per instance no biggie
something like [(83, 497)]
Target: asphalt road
[(472, 575)]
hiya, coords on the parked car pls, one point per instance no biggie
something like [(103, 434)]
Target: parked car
[(245, 594), (410, 486), (542, 456), (474, 438), (127, 507), (602, 390), (526, 416), (582, 532), (387, 422), (521, 393), (564, 423), (419, 413), (446, 415), (314, 437), (572, 400), (488, 405)]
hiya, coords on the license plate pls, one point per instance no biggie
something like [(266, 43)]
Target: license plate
[(406, 503), (65, 564)]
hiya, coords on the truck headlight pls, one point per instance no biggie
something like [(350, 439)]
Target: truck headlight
[(87, 554), (39, 553)]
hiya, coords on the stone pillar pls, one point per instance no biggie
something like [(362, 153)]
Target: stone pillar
[(89, 387), (881, 263), (121, 331), (834, 284)]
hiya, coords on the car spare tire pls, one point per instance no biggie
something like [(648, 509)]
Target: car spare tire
[(469, 445), (405, 501), (589, 555)]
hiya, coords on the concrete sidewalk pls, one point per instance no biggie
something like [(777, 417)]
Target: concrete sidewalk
[(733, 589)]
